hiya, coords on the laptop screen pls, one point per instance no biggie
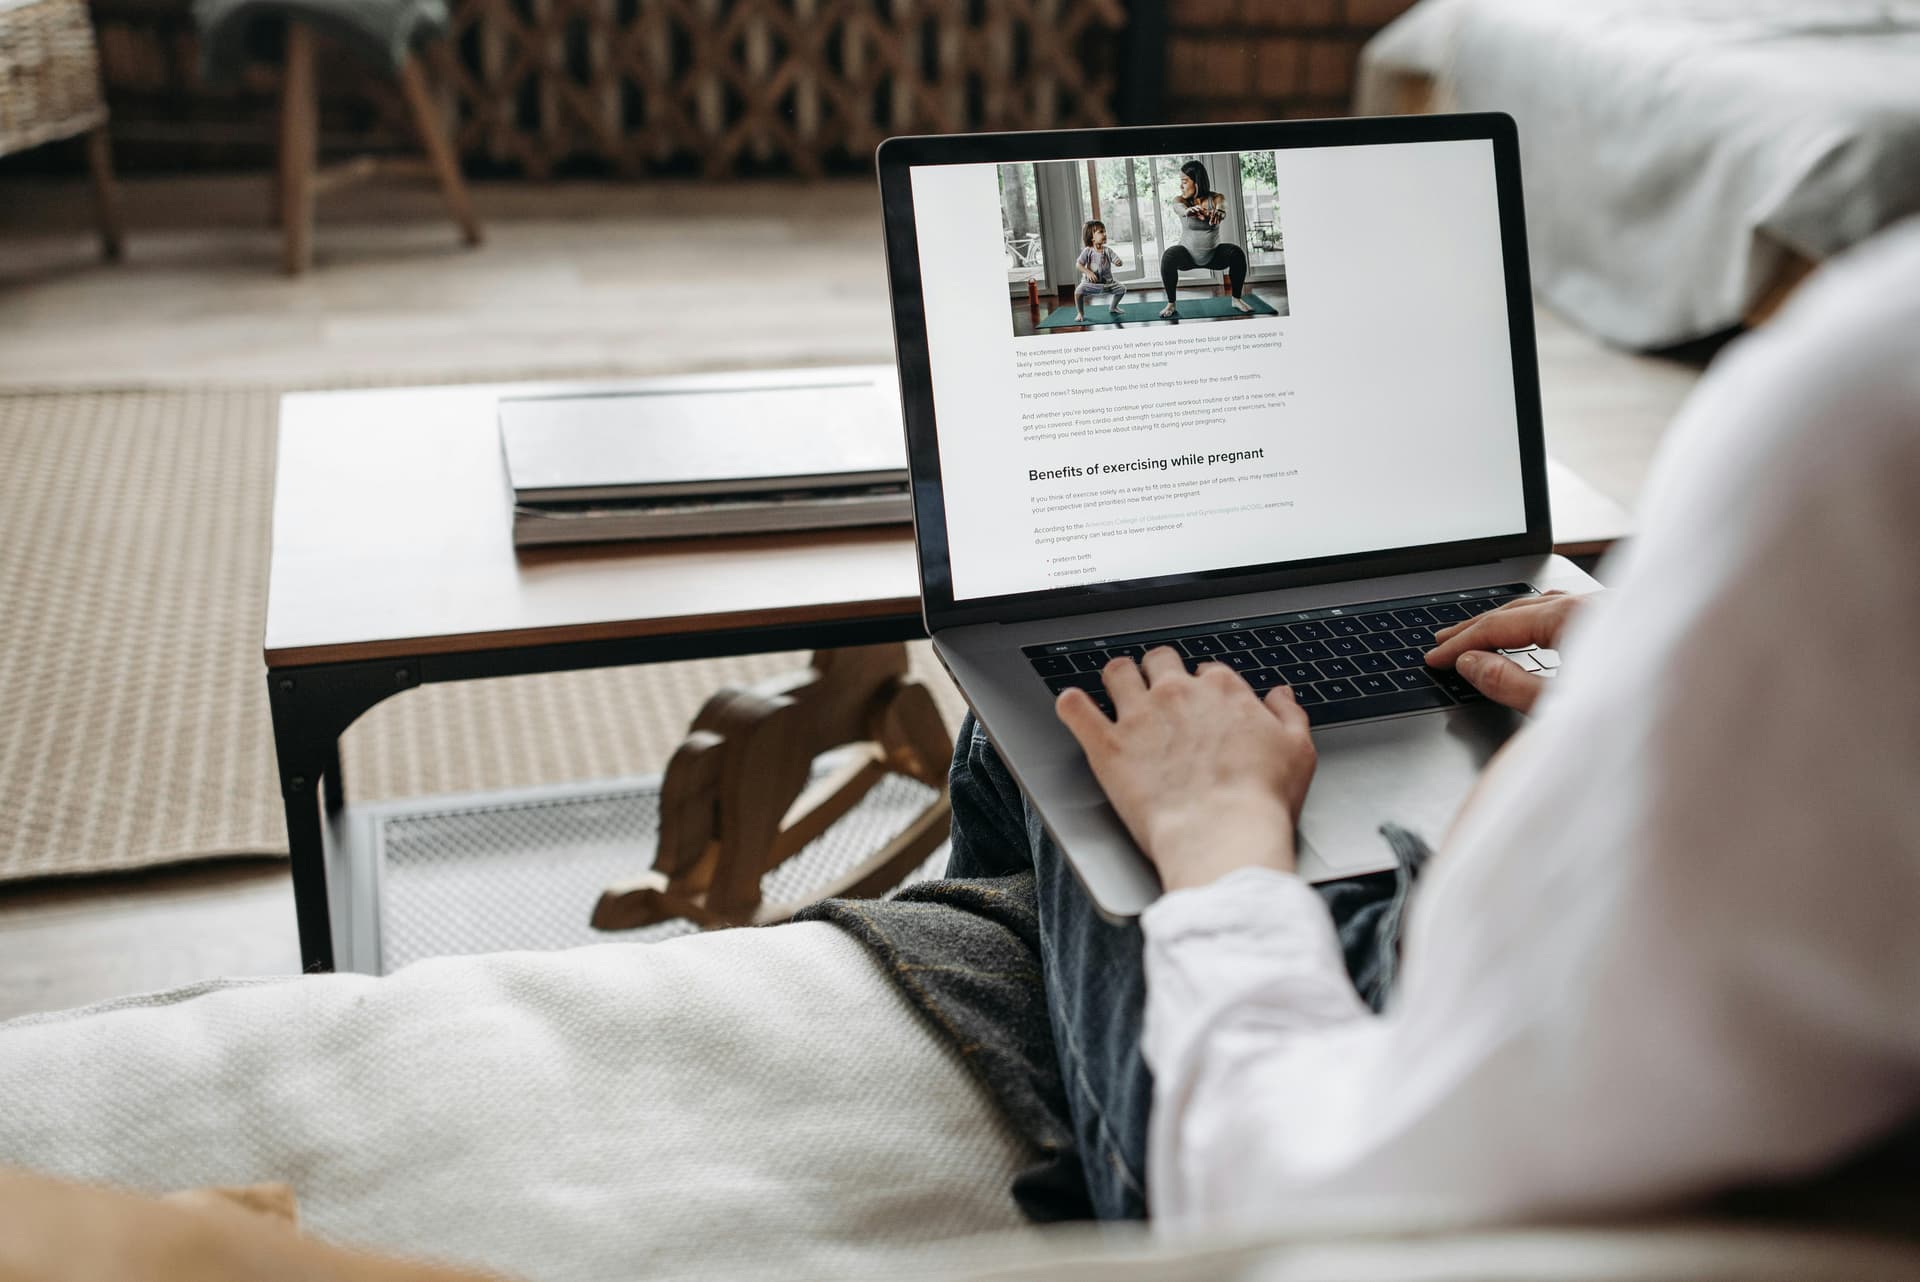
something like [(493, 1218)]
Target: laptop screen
[(1337, 376)]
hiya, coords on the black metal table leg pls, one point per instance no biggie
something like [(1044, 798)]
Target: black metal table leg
[(333, 781), (301, 761), (306, 845), (312, 707)]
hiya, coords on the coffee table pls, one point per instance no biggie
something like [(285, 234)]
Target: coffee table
[(394, 567)]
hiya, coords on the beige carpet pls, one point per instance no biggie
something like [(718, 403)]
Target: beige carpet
[(133, 714)]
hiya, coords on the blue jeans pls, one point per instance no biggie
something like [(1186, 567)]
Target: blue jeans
[(1093, 969)]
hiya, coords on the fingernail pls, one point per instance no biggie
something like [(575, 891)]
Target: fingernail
[(1469, 663)]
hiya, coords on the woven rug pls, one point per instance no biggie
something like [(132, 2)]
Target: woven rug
[(133, 713)]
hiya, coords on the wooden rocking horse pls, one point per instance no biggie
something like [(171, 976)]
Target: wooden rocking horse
[(735, 801)]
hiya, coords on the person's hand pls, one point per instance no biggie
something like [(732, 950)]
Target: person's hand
[(1206, 776), (1468, 648)]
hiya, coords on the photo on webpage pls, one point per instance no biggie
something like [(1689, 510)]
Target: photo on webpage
[(1134, 242)]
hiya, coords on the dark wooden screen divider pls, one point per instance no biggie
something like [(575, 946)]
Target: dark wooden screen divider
[(727, 82), (710, 86)]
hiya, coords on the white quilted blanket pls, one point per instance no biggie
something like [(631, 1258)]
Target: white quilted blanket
[(1672, 147), (753, 1104), (742, 1104)]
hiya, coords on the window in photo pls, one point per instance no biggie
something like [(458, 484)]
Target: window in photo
[(1020, 225)]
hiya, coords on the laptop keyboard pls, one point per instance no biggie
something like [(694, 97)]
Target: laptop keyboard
[(1348, 663)]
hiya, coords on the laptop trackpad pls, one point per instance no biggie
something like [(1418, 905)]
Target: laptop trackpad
[(1412, 771)]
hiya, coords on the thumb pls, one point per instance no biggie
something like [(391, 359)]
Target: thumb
[(1499, 679)]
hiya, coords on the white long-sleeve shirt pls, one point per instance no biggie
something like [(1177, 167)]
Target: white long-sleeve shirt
[(1675, 941)]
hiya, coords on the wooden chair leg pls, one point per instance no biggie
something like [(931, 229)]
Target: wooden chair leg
[(275, 198), (433, 139), (106, 195), (299, 144)]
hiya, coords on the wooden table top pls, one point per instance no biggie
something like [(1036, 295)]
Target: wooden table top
[(392, 537)]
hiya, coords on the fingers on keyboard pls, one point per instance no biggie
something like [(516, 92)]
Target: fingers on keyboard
[(1342, 665)]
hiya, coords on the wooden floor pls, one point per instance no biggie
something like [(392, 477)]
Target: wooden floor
[(572, 277)]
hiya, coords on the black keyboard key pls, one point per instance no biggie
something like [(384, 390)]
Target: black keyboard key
[(1337, 690), (1052, 665), (1347, 626), (1445, 614), (1238, 640), (1383, 640), (1088, 681), (1412, 679), (1380, 622), (1193, 662), (1201, 645), (1263, 678), (1419, 638), (1105, 704), (1457, 686), (1305, 695), (1134, 652), (1373, 663), (1338, 668), (1347, 647), (1089, 660), (1478, 607), (1409, 658), (1312, 631), (1298, 674), (1414, 618), (1238, 660), (1273, 656), (1373, 683), (1276, 635), (1313, 651), (1381, 705)]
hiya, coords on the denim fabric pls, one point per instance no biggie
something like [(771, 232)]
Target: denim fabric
[(1093, 972)]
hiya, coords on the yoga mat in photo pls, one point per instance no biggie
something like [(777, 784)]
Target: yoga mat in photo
[(1191, 309)]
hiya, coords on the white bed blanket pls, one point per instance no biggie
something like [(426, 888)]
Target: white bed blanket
[(752, 1104), (1672, 148), (742, 1104)]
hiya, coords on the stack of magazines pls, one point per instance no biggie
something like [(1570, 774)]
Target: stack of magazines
[(808, 451)]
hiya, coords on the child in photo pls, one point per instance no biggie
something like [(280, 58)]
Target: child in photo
[(1096, 263)]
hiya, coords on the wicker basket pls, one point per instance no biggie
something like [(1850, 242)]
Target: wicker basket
[(49, 73)]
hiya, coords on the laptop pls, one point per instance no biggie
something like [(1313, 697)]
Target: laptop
[(1328, 447)]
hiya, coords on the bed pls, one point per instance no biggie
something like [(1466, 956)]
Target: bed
[(1687, 162), (747, 1104)]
